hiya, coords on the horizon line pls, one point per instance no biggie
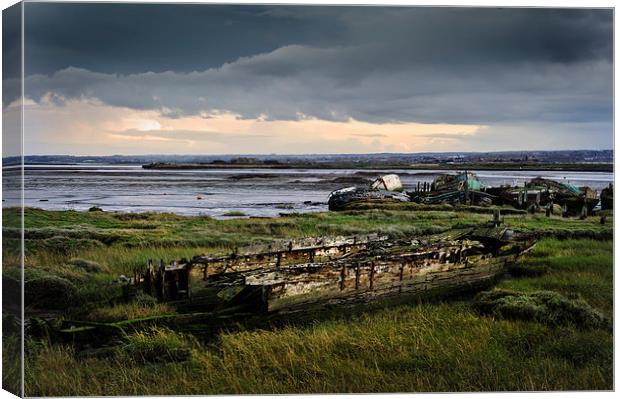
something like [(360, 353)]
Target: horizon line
[(307, 154)]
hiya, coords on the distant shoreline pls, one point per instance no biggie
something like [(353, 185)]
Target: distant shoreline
[(581, 167)]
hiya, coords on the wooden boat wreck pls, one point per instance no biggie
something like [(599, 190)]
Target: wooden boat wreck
[(386, 188), (463, 188), (299, 279), (545, 193), (289, 275)]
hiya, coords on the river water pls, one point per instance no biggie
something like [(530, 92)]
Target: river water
[(215, 192)]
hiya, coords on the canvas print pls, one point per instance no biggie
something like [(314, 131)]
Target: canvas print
[(279, 199)]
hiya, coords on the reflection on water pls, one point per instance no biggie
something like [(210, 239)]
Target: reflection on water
[(255, 192)]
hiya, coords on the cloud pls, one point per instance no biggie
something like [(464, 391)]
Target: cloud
[(508, 69), (136, 38), (89, 126), (294, 81), (380, 64)]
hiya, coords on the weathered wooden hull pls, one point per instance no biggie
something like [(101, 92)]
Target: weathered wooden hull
[(381, 280), (523, 200), (471, 197), (340, 199), (368, 270), (298, 279)]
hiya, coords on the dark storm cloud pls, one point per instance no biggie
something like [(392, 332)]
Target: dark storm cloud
[(11, 53), (335, 63), (134, 38)]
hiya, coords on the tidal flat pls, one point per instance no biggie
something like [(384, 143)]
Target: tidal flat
[(220, 193), (438, 345)]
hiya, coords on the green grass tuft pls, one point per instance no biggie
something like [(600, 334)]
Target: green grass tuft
[(89, 266), (49, 292), (541, 306), (234, 213), (156, 345)]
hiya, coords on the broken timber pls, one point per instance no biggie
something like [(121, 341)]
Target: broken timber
[(280, 253)]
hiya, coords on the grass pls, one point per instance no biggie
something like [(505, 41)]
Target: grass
[(122, 242), (573, 267), (11, 353), (430, 347), (438, 347), (541, 306), (156, 345), (127, 311), (234, 213)]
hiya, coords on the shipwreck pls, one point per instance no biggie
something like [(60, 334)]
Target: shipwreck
[(463, 188), (541, 193), (384, 189), (290, 275), (299, 279)]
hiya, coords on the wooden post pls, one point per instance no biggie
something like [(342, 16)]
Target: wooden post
[(496, 217), (343, 273), (189, 280), (148, 278), (372, 275), (584, 210), (162, 272), (466, 187), (265, 291), (357, 276), (551, 207), (159, 281)]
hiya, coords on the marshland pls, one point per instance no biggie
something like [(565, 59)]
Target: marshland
[(546, 325)]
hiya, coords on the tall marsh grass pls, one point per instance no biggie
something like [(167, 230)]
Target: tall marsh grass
[(424, 348), (429, 347)]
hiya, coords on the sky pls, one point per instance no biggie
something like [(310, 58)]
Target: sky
[(104, 79)]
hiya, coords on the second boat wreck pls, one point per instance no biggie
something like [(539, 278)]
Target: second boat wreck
[(465, 188), (386, 188)]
